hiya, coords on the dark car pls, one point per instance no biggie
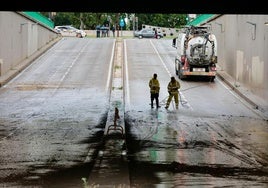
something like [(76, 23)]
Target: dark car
[(147, 33)]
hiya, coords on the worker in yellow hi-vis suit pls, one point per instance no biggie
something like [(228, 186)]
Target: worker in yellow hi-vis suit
[(154, 90), (173, 90)]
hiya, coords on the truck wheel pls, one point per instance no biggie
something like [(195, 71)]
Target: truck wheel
[(180, 76), (212, 78), (179, 72)]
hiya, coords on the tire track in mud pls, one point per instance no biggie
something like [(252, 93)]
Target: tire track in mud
[(149, 169), (140, 130), (230, 147), (227, 145)]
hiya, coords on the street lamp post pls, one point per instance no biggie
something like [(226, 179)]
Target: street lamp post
[(109, 22), (136, 18), (133, 22)]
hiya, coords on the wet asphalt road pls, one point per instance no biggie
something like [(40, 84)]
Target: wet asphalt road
[(52, 118)]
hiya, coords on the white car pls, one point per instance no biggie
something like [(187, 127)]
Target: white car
[(70, 31)]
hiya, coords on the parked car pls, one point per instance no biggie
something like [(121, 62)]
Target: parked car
[(70, 31), (147, 33)]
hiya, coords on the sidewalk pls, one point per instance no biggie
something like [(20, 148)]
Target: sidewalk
[(257, 103)]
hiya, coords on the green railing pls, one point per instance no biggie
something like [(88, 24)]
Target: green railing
[(201, 19), (40, 19)]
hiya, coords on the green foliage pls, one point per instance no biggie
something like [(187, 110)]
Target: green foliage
[(87, 20)]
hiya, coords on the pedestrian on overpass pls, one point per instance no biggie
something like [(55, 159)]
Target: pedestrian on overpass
[(154, 90), (113, 30), (173, 90), (155, 33)]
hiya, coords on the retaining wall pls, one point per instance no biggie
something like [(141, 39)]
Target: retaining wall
[(21, 38)]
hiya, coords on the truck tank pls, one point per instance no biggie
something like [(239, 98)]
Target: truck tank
[(200, 49), (196, 52)]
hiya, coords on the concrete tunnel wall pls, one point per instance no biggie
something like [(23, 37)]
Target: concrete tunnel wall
[(242, 50), (242, 44), (20, 38)]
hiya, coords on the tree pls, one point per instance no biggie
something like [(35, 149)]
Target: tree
[(88, 20)]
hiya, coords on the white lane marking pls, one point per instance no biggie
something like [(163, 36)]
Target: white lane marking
[(72, 64), (160, 58), (110, 69), (126, 74)]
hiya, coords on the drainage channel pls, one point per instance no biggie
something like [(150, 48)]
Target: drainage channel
[(111, 166)]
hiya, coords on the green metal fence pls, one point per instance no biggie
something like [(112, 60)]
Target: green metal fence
[(199, 20), (202, 19), (40, 19)]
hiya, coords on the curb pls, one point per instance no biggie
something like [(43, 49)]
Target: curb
[(111, 165), (25, 63), (228, 80)]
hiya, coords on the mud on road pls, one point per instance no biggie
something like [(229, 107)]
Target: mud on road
[(190, 151), (165, 149)]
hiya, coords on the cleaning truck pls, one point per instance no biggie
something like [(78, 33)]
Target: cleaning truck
[(196, 52)]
